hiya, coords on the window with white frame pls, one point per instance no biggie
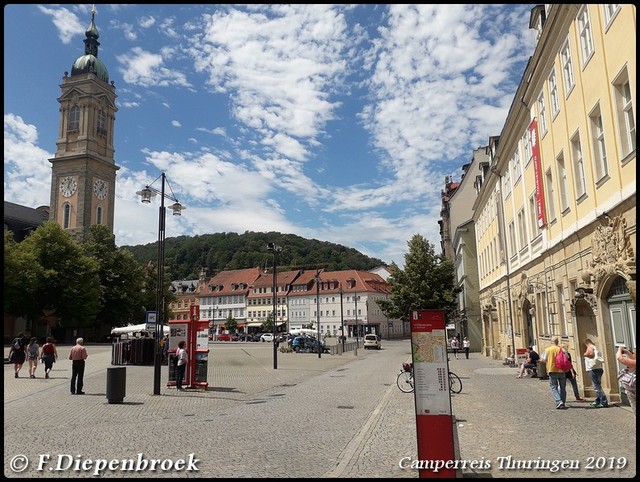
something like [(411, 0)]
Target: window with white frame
[(567, 68), (533, 217), (517, 167), (542, 114), (586, 38), (526, 144), (553, 93), (506, 183), (550, 190), (610, 11), (578, 167), (564, 182), (599, 148), (522, 229), (626, 118), (512, 237)]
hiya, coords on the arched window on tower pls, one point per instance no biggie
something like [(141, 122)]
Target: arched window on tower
[(99, 215), (66, 218), (102, 118), (74, 118)]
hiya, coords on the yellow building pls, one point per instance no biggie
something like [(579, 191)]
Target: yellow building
[(555, 216)]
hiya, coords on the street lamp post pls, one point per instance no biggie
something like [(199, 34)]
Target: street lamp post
[(341, 319), (318, 311), (275, 249), (147, 193), (355, 298)]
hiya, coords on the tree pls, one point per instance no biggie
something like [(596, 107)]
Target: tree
[(231, 324), (267, 325), (121, 278), (427, 282), (22, 275), (69, 286)]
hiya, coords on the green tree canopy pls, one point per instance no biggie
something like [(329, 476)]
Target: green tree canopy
[(427, 282)]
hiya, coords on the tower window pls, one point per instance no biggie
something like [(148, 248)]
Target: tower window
[(99, 215), (74, 118), (66, 216), (102, 123)]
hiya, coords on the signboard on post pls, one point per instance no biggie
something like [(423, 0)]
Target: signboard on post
[(434, 423), (151, 320)]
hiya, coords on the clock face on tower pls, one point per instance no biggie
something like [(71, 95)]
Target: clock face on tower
[(100, 188), (68, 186)]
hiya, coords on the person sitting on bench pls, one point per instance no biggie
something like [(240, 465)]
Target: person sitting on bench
[(531, 363)]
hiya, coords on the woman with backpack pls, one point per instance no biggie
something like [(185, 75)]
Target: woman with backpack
[(18, 353), (33, 350)]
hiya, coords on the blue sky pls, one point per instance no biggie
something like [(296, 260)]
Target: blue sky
[(332, 122)]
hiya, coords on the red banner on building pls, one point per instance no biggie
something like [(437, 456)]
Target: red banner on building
[(537, 169)]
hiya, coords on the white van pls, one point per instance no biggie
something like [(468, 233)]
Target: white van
[(371, 340)]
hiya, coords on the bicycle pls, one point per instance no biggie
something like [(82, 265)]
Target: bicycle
[(404, 380)]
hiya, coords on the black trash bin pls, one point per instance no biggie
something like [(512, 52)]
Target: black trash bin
[(116, 384)]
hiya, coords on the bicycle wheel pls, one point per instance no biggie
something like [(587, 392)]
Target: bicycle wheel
[(405, 382), (455, 384)]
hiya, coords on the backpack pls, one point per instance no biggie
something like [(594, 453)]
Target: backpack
[(562, 361), (16, 344)]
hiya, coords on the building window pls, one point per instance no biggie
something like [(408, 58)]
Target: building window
[(553, 94), (506, 183), (522, 229), (526, 143), (542, 114), (586, 40), (550, 190), (562, 176), (512, 237), (66, 216), (626, 118), (567, 68), (578, 167), (517, 167), (74, 118), (533, 217), (610, 11), (99, 215), (599, 149), (102, 123)]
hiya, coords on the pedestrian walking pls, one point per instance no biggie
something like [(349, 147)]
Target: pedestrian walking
[(572, 376), (557, 377), (77, 355), (593, 363), (466, 344), (455, 346), (49, 355), (628, 358), (33, 350), (182, 364), (18, 353)]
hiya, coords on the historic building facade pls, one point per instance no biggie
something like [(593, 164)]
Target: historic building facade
[(555, 215)]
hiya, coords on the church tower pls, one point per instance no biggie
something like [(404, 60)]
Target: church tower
[(83, 177)]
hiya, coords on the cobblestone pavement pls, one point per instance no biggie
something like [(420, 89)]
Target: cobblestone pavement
[(338, 416)]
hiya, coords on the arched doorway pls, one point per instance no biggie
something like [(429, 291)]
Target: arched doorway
[(527, 332)]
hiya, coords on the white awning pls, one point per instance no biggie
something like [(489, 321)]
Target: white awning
[(253, 325)]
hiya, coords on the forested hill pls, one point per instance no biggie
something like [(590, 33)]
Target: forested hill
[(186, 255)]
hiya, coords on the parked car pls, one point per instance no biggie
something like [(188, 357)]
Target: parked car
[(307, 344), (267, 337), (256, 336), (245, 337), (224, 337), (372, 341), (234, 337)]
